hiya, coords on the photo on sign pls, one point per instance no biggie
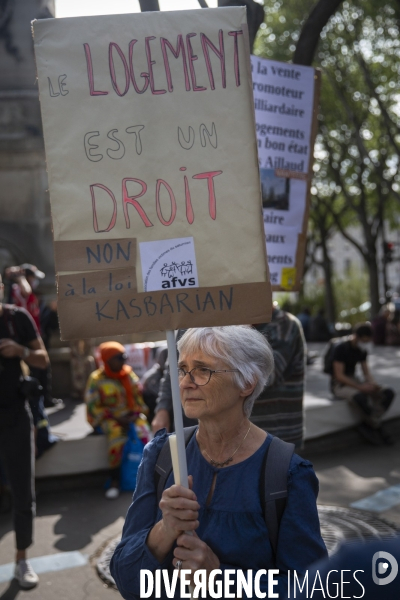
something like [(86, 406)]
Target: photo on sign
[(168, 264), (275, 190)]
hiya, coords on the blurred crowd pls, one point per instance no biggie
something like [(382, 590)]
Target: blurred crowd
[(385, 326), (315, 327)]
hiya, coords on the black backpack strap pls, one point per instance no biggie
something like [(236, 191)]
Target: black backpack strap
[(274, 478), (163, 466)]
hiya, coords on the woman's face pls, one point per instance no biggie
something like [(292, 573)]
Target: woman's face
[(220, 397)]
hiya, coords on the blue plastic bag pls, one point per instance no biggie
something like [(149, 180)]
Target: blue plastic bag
[(131, 457)]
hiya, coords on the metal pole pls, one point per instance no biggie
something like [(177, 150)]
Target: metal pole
[(176, 403)]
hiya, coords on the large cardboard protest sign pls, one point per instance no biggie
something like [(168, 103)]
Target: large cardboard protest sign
[(153, 173), (286, 102)]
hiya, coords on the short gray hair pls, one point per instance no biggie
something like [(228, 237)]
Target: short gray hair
[(241, 347)]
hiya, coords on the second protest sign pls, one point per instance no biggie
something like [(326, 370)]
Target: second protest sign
[(286, 106)]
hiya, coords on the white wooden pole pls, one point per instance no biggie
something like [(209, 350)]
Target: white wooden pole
[(175, 462), (176, 403), (177, 440)]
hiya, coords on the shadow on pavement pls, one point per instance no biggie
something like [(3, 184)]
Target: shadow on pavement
[(59, 415), (82, 514), (12, 591)]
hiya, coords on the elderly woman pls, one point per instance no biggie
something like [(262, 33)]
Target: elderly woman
[(222, 370), (113, 401)]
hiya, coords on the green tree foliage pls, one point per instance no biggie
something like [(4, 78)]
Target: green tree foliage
[(357, 174), (357, 177), (278, 35), (351, 298)]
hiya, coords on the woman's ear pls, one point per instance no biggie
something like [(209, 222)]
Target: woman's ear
[(248, 390)]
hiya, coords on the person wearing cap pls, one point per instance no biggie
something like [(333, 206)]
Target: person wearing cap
[(113, 402), (19, 340), (25, 279)]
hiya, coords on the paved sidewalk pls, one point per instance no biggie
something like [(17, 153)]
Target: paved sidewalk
[(70, 521)]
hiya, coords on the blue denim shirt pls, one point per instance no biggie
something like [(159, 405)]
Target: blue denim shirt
[(232, 524)]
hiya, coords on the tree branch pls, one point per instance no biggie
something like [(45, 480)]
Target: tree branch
[(389, 123), (379, 168), (309, 36), (358, 139), (347, 236)]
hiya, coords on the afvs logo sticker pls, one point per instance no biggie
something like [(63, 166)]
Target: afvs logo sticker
[(168, 264), (177, 275)]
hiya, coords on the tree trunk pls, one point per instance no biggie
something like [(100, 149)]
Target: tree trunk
[(374, 285), (309, 36), (385, 278), (255, 15), (330, 304), (255, 12)]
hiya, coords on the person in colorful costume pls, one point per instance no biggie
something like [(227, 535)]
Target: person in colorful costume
[(113, 402)]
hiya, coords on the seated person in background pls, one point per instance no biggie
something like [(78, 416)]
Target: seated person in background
[(370, 399), (114, 402), (221, 372)]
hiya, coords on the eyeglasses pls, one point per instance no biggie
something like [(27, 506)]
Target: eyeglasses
[(202, 375), (121, 357)]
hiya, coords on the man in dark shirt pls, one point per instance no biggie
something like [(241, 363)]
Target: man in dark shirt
[(19, 340), (279, 408), (369, 399)]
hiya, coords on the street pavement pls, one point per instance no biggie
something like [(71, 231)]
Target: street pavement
[(67, 521), (79, 523)]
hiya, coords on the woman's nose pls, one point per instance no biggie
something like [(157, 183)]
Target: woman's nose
[(187, 380)]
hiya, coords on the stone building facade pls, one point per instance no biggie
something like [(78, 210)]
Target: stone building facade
[(25, 224)]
